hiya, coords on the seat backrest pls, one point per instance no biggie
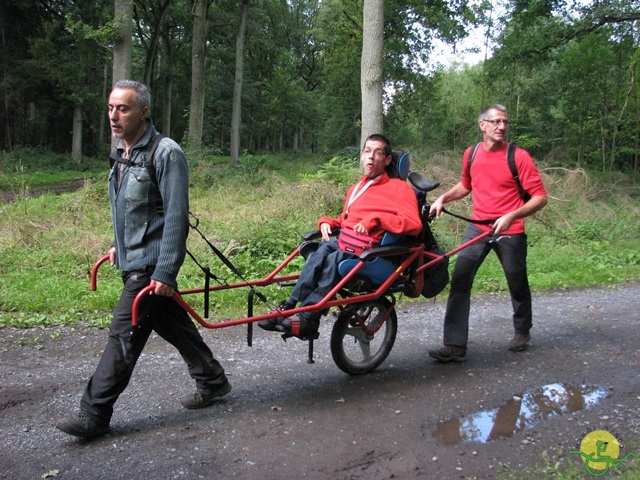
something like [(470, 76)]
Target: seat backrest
[(376, 271), (399, 165), (391, 239)]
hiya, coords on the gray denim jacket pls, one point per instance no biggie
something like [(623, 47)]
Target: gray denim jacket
[(145, 236)]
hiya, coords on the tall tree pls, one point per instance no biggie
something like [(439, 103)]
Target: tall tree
[(237, 85), (371, 67), (123, 19), (198, 57), (149, 19), (167, 81)]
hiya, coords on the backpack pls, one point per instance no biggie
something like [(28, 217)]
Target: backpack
[(436, 277), (511, 160)]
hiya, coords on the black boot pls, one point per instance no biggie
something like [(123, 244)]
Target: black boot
[(84, 425)]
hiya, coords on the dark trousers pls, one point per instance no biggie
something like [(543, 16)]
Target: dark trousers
[(512, 253), (125, 344), (319, 275)]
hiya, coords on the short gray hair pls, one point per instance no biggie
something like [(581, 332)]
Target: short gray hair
[(484, 114), (143, 96)]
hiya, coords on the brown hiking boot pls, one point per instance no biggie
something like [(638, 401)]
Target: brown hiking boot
[(519, 342), (450, 353)]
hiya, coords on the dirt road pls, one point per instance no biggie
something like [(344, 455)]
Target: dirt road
[(411, 418)]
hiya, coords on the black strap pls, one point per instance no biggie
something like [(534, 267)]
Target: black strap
[(472, 155), (511, 160), (148, 159), (147, 163), (470, 220), (222, 257)]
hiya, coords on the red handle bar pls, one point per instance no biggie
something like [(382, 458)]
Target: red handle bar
[(94, 272)]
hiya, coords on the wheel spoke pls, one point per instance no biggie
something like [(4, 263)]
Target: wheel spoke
[(365, 348), (357, 333)]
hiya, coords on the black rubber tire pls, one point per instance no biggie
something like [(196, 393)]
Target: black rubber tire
[(352, 350)]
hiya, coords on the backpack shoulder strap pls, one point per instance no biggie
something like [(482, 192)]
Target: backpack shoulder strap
[(151, 169), (148, 160), (511, 160), (472, 155)]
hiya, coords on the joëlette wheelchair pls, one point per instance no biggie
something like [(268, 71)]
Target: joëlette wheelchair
[(365, 325)]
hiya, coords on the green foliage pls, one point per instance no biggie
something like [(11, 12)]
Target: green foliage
[(35, 160), (567, 72), (105, 35), (339, 171), (527, 141)]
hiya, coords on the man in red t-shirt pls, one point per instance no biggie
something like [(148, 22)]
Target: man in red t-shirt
[(373, 206), (495, 196)]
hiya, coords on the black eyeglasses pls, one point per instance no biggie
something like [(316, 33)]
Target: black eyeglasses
[(497, 122)]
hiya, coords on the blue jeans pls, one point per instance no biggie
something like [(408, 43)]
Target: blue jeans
[(318, 277), (512, 253), (126, 342)]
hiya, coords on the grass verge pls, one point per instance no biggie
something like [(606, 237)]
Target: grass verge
[(256, 214)]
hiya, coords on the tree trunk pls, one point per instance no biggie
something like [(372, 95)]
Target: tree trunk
[(237, 86), (122, 48), (123, 18), (103, 120), (636, 155), (371, 67), (76, 139), (166, 106), (618, 121), (154, 43), (198, 51), (7, 130), (168, 82)]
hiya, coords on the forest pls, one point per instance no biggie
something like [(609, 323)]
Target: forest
[(290, 73)]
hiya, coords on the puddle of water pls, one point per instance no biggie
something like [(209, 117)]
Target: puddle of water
[(519, 413)]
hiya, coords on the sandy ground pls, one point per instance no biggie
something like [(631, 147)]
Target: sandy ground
[(501, 413)]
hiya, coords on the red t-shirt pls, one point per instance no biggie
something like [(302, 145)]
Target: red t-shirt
[(388, 204), (493, 190)]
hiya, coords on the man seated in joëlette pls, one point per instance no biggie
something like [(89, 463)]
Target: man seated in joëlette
[(374, 205)]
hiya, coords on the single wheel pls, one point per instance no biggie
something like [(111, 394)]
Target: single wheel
[(363, 336)]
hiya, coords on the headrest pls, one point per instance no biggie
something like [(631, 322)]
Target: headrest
[(399, 165)]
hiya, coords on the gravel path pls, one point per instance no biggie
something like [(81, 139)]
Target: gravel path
[(411, 418)]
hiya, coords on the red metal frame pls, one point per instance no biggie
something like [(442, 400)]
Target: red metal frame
[(327, 302)]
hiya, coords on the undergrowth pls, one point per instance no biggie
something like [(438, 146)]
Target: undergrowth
[(257, 212)]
